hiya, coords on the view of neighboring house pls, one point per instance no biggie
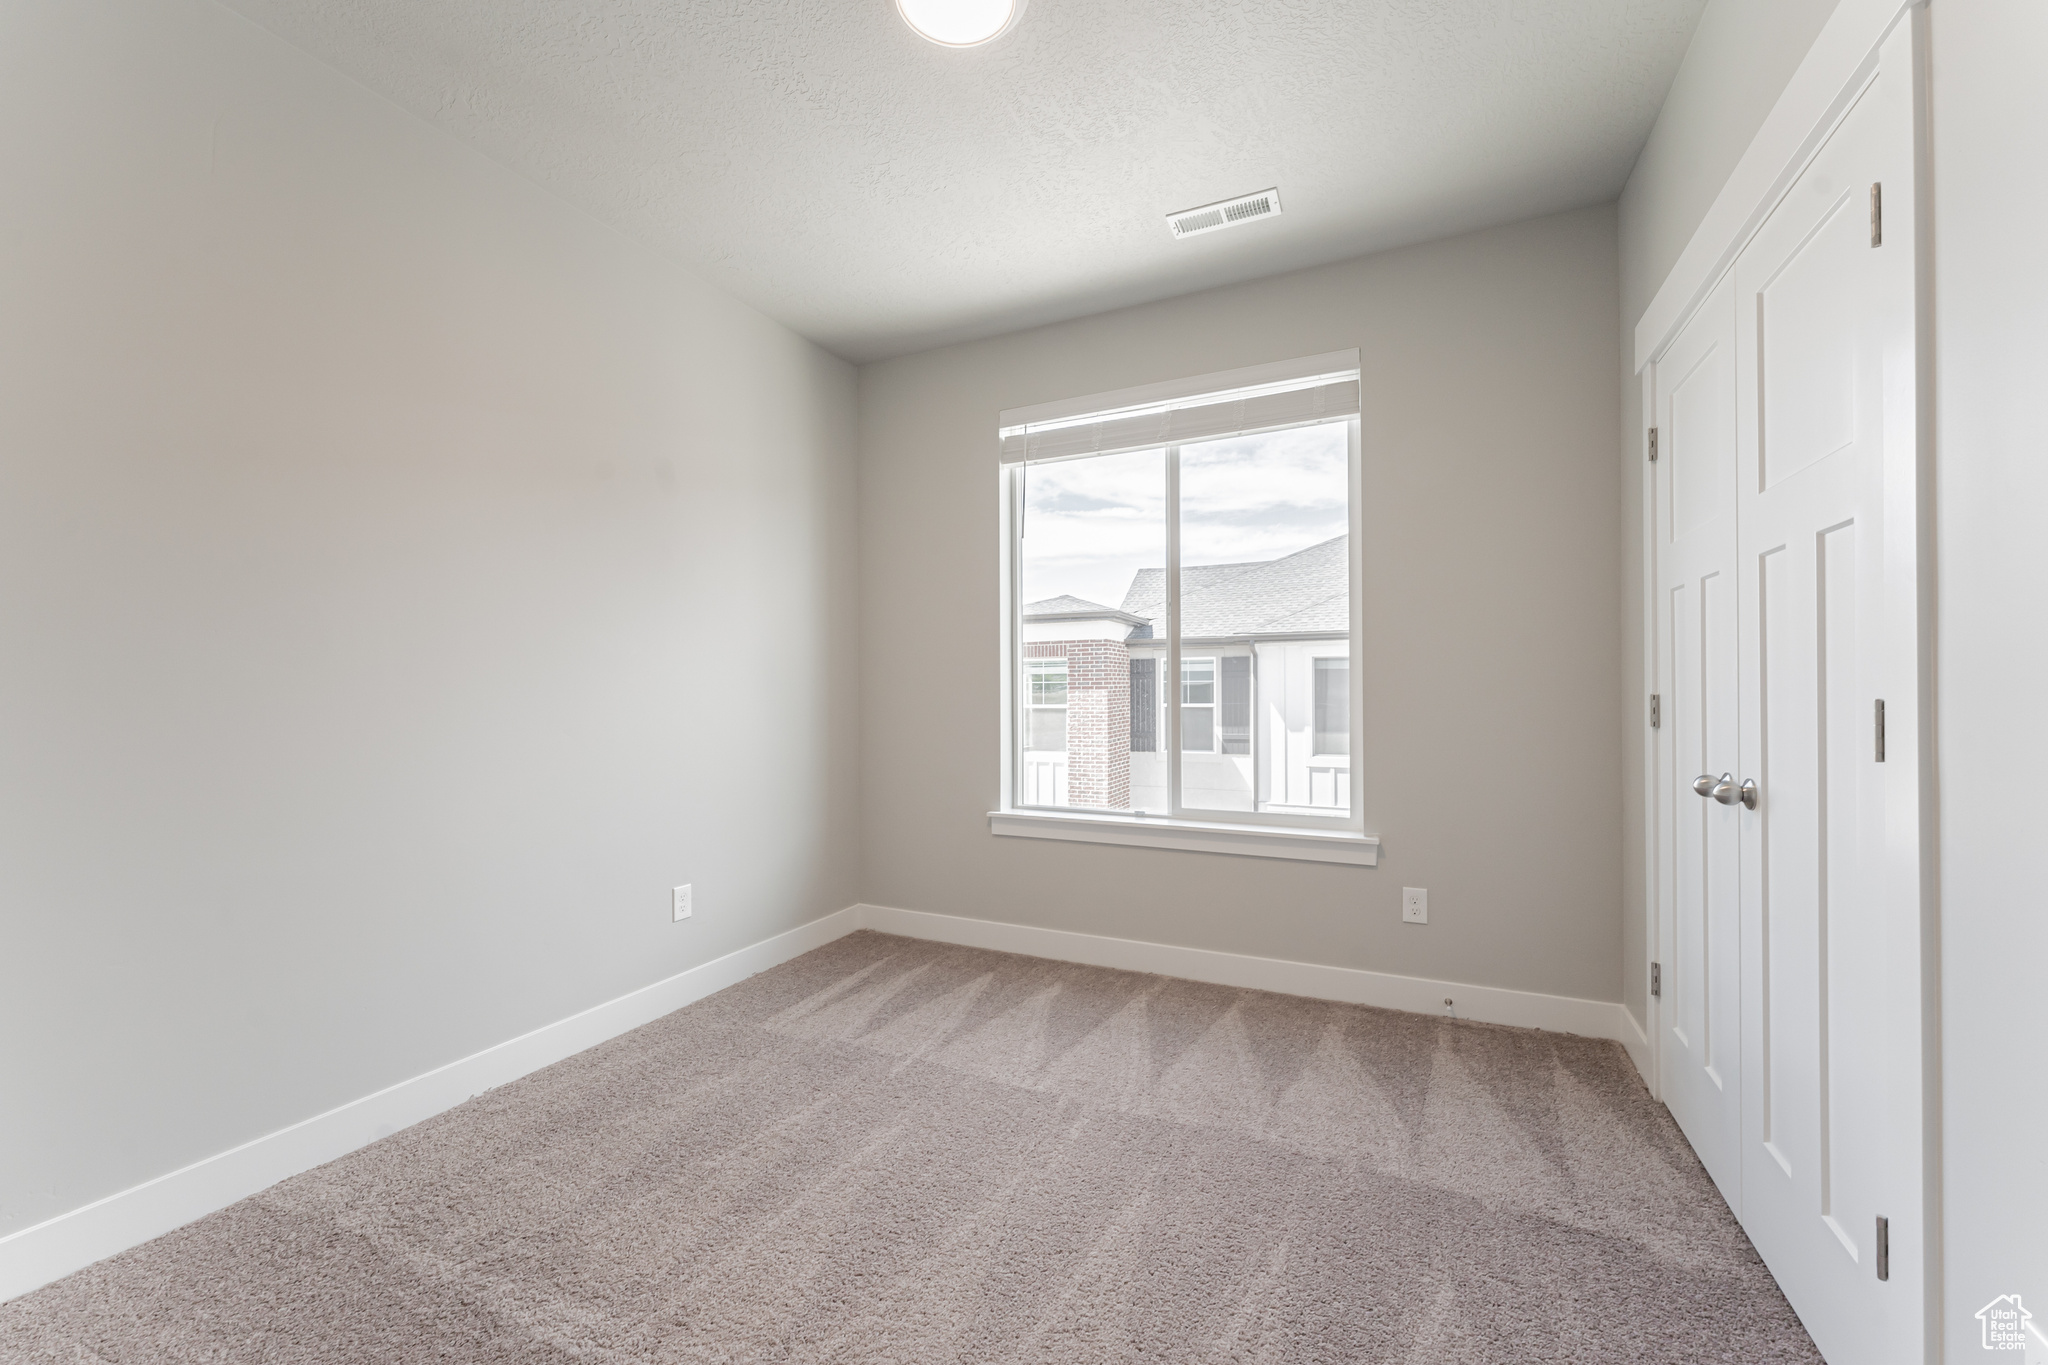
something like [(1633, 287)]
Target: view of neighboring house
[(1265, 691)]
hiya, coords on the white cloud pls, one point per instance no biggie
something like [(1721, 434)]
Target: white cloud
[(1091, 524), (1261, 497)]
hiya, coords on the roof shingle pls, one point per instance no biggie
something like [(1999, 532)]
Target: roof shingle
[(1307, 591)]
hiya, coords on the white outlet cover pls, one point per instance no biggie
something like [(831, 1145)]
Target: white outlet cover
[(1415, 905), (682, 902)]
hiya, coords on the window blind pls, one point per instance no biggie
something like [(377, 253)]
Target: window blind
[(1209, 417)]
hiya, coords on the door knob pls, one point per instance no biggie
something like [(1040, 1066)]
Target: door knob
[(1728, 794), (1705, 782)]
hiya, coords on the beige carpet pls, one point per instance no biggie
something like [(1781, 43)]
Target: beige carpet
[(894, 1151)]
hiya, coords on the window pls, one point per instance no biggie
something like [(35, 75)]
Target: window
[(1235, 713), (1045, 684), (1145, 706), (1333, 706), (1197, 705), (1203, 532)]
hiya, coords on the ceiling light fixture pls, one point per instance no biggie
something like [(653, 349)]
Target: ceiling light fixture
[(960, 23)]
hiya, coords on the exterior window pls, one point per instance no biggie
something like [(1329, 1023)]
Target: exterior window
[(1235, 715), (1198, 706), (1045, 685), (1145, 706), (1181, 621), (1333, 706)]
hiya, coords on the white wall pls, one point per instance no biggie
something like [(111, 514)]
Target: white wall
[(404, 580), (1492, 650), (1991, 355), (1741, 57)]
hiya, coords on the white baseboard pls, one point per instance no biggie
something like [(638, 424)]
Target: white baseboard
[(49, 1250), (1419, 995), (1637, 1043), (36, 1255)]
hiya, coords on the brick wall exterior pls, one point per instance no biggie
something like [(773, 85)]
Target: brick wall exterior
[(1098, 719)]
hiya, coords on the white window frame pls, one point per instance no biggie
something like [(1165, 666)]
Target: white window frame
[(1272, 834)]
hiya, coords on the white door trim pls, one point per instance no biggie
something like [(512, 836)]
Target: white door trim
[(1653, 920), (1654, 950), (1835, 70)]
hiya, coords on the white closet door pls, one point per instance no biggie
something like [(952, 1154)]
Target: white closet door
[(1825, 343), (1699, 895)]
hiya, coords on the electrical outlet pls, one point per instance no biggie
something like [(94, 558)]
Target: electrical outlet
[(1414, 905), (682, 902)]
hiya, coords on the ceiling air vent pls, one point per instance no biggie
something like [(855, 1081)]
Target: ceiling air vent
[(1226, 213)]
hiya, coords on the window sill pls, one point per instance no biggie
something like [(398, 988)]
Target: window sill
[(1256, 841)]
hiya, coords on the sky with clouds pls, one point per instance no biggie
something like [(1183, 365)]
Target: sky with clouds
[(1091, 524)]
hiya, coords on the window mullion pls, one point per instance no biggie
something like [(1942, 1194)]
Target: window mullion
[(1173, 682)]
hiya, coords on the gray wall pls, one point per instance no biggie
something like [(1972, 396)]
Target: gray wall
[(1742, 56), (1492, 650), (404, 580), (1991, 500)]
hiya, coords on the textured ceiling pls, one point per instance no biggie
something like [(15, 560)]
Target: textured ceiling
[(880, 194)]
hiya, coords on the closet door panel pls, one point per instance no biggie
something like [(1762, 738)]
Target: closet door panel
[(1700, 1052), (1821, 297)]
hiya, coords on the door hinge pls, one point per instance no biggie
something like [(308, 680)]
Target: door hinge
[(1880, 729), (1656, 978), (1653, 445), (1877, 214), (1884, 1247), (1656, 711)]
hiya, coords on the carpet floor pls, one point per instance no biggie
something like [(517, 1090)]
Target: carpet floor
[(897, 1151)]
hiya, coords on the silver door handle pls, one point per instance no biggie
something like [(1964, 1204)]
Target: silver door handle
[(1706, 784), (1728, 794)]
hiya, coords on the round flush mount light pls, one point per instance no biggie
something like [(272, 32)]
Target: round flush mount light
[(960, 23)]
